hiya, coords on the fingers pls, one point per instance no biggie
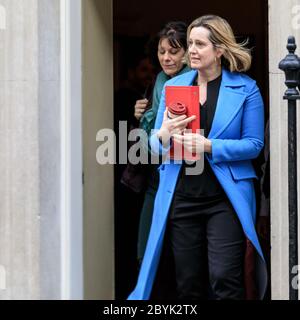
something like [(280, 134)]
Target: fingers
[(178, 137), (142, 101), (141, 104), (176, 125), (177, 119), (181, 125), (192, 142), (184, 121), (138, 113), (140, 107), (166, 114), (138, 116), (186, 139), (180, 120)]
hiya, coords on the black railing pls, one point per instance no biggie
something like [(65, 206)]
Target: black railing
[(291, 67)]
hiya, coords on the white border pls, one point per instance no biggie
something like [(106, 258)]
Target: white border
[(71, 152)]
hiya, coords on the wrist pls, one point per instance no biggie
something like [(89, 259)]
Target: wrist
[(164, 137), (208, 146), (162, 134)]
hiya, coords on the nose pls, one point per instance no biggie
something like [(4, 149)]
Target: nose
[(166, 56), (192, 48)]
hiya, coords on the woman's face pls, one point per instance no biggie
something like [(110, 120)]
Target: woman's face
[(170, 58), (202, 53)]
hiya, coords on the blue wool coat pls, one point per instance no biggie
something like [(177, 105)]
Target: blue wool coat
[(237, 135)]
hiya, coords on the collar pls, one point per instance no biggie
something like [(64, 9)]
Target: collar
[(229, 79)]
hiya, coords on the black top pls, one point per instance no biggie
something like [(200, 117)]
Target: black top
[(205, 184)]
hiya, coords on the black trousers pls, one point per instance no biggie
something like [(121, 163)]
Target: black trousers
[(208, 245)]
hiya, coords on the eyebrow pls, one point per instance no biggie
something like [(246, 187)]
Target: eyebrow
[(172, 48), (197, 40)]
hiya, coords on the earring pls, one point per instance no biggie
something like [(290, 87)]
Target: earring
[(219, 60)]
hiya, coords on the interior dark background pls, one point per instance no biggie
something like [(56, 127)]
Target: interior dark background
[(134, 23)]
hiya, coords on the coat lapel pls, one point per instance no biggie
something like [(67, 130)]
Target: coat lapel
[(230, 100)]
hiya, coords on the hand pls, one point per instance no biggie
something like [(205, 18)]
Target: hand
[(170, 127), (140, 107), (193, 142)]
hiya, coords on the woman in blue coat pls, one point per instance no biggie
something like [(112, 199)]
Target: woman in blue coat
[(210, 216)]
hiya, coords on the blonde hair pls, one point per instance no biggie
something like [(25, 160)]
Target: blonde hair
[(236, 56)]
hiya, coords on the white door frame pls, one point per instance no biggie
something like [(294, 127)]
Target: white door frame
[(71, 150)]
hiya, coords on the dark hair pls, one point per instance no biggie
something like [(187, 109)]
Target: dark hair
[(175, 32)]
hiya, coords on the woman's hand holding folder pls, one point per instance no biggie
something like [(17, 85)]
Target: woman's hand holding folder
[(193, 142), (171, 127)]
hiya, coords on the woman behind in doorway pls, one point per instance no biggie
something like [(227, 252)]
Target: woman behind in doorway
[(210, 215), (171, 49)]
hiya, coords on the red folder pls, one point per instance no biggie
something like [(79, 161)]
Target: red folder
[(188, 96)]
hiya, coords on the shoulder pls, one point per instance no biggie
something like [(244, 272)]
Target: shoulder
[(160, 81), (182, 79), (161, 77), (237, 79), (250, 83)]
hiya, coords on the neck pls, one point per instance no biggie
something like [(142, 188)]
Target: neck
[(175, 74), (207, 75)]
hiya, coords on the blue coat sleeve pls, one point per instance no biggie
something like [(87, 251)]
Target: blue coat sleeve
[(155, 144), (252, 133)]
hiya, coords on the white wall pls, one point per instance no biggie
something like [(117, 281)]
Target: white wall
[(19, 151)]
